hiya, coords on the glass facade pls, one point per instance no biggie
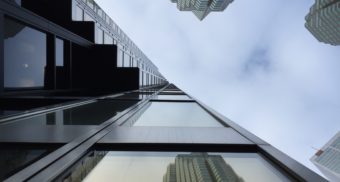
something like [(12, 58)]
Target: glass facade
[(107, 32), (176, 114), (90, 114), (172, 97), (59, 52), (24, 55), (177, 166), (12, 160)]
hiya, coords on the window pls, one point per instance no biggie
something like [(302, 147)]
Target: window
[(87, 17), (120, 58), (108, 39), (99, 35), (59, 52), (77, 13), (176, 114), (174, 166), (126, 60), (24, 55)]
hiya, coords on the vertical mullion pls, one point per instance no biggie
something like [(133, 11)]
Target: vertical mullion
[(50, 74), (2, 56)]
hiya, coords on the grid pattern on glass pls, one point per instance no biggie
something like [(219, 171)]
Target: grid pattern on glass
[(176, 114), (172, 97), (179, 166)]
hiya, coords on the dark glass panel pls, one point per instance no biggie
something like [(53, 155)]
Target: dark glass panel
[(90, 114), (25, 56), (13, 160), (176, 114), (59, 52), (173, 166)]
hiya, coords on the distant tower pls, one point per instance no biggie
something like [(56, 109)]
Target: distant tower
[(323, 21), (200, 167), (201, 8), (328, 159)]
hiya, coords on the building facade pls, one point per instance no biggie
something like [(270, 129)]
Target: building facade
[(201, 8), (323, 21), (80, 101), (327, 160)]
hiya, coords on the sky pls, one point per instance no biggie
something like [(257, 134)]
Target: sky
[(255, 63)]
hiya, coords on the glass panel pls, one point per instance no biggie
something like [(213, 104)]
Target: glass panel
[(87, 17), (99, 36), (174, 166), (13, 160), (120, 58), (172, 97), (171, 92), (108, 39), (176, 115), (25, 56), (77, 14), (126, 60), (59, 52), (90, 114)]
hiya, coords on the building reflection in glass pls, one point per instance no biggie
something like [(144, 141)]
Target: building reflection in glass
[(200, 167)]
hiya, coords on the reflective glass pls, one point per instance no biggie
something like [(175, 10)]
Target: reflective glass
[(108, 39), (120, 58), (126, 60), (77, 14), (13, 160), (59, 52), (87, 17), (99, 36), (90, 114), (25, 56), (175, 166), (176, 114), (172, 97)]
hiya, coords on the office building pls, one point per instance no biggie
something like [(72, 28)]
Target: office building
[(80, 101), (200, 167), (201, 8), (323, 21), (327, 159)]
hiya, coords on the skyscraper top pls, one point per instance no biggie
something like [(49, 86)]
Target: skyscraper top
[(201, 8), (323, 21)]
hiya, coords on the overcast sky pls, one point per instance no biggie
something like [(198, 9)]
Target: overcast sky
[(255, 63)]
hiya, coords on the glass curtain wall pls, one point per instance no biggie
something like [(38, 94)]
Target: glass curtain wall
[(24, 55)]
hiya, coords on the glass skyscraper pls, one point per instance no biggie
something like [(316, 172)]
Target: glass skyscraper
[(79, 101), (328, 159), (201, 8), (323, 21)]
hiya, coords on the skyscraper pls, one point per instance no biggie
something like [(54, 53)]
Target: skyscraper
[(80, 101), (323, 21), (328, 159), (200, 167), (201, 8)]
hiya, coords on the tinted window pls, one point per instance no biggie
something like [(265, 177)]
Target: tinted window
[(25, 56), (176, 114), (59, 52)]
